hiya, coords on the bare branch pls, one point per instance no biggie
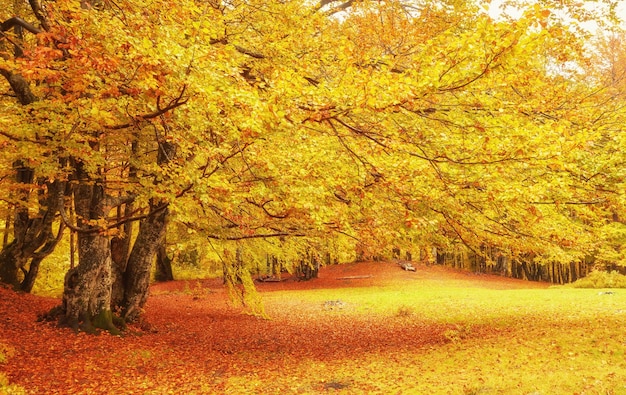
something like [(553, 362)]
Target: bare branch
[(256, 236), (262, 207), (174, 103), (16, 21), (338, 8), (20, 86), (249, 52), (39, 14)]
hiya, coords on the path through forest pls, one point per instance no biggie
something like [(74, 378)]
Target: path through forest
[(193, 340)]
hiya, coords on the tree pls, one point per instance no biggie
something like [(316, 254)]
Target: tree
[(82, 147), (472, 133), (295, 126), (33, 235)]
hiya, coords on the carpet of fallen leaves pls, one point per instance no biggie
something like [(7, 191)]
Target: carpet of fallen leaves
[(193, 340)]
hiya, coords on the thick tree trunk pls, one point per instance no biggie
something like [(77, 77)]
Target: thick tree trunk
[(120, 245), (151, 233), (29, 233), (87, 289), (15, 255), (119, 258), (137, 276), (10, 262)]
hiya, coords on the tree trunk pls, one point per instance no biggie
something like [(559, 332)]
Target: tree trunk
[(7, 228), (30, 275), (120, 247), (87, 288), (29, 234), (151, 234), (10, 262), (15, 255), (163, 263), (137, 276), (33, 237)]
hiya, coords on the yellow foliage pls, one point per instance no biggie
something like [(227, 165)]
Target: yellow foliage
[(384, 123)]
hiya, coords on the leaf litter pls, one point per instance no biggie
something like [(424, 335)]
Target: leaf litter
[(199, 343)]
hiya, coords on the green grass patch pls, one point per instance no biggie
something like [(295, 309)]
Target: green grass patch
[(556, 340)]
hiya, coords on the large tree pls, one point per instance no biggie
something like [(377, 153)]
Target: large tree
[(299, 124)]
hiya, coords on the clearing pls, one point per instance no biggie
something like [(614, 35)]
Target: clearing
[(367, 328)]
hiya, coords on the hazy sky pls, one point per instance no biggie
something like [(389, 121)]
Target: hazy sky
[(495, 12)]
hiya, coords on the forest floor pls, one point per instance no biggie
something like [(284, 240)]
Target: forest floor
[(368, 328)]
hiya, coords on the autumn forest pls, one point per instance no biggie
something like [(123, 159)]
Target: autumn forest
[(284, 137)]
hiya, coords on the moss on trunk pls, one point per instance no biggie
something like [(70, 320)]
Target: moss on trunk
[(104, 320)]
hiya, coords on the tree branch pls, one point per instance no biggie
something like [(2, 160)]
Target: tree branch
[(238, 48), (39, 14), (341, 7), (174, 103), (257, 236), (262, 207), (17, 21), (249, 52), (20, 86)]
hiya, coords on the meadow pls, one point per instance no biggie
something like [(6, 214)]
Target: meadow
[(368, 328)]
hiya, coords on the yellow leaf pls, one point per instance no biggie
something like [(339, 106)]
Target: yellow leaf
[(146, 43)]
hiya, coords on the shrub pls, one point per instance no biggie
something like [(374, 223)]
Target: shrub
[(601, 279)]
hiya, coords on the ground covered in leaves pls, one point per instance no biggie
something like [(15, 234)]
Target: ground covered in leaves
[(368, 328)]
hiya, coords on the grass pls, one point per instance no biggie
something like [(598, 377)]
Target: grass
[(525, 341)]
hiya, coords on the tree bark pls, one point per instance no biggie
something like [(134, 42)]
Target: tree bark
[(19, 86), (33, 237), (30, 275), (120, 248), (137, 276), (7, 229), (14, 255), (87, 287), (30, 234), (151, 234), (10, 260), (163, 263)]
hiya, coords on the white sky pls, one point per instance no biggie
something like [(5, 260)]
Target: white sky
[(495, 12)]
